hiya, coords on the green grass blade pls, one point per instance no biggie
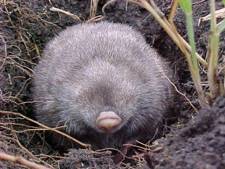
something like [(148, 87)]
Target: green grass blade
[(186, 6), (190, 29)]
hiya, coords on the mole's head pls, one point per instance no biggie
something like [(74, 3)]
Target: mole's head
[(106, 100), (101, 98)]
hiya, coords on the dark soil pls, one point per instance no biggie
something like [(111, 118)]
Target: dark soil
[(25, 28), (199, 145)]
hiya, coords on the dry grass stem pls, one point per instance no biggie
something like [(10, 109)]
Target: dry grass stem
[(106, 4), (93, 8), (173, 10), (95, 19), (46, 127), (218, 14), (21, 160), (213, 54), (75, 17)]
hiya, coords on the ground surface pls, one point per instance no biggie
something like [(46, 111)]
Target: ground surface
[(25, 28)]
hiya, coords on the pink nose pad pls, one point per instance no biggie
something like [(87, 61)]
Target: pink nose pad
[(107, 121)]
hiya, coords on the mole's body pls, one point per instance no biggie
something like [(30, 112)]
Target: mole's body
[(104, 83)]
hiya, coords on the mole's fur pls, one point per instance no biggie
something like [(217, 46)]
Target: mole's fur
[(102, 67)]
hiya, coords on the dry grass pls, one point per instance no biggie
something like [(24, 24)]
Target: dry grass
[(12, 146)]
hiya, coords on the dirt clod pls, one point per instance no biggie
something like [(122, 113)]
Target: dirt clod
[(83, 158), (199, 145)]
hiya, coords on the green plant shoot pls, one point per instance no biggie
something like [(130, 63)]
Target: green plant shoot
[(186, 6)]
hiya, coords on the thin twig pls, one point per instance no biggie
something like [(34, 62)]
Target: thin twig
[(75, 17), (218, 14), (21, 160), (46, 127), (173, 10), (93, 8)]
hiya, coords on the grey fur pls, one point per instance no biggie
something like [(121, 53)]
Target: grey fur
[(90, 68)]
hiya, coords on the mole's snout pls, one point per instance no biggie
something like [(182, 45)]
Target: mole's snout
[(108, 121)]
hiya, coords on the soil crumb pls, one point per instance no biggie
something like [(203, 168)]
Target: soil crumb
[(84, 158)]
